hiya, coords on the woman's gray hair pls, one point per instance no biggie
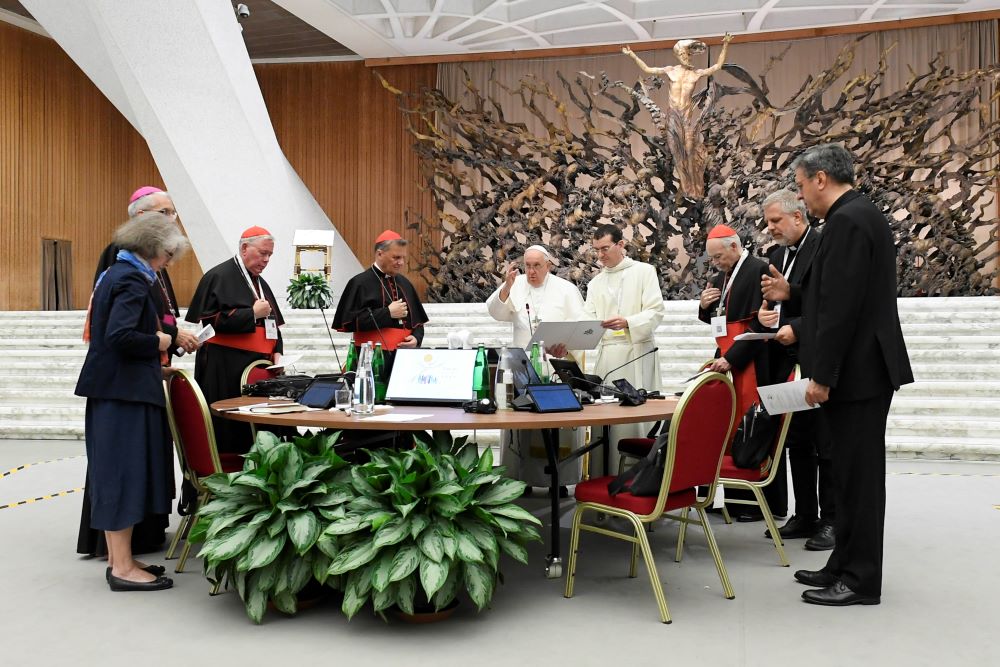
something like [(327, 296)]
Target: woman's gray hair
[(788, 201), (141, 203), (833, 159), (151, 234)]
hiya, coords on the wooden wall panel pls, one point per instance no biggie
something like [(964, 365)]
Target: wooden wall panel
[(347, 139), (68, 162)]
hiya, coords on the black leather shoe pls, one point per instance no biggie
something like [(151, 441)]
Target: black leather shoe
[(155, 570), (749, 516), (158, 584), (837, 595), (823, 540), (797, 526), (816, 578)]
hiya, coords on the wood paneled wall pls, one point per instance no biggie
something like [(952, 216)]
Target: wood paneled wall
[(345, 136), (69, 160)]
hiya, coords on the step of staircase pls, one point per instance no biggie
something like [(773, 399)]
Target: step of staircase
[(951, 411)]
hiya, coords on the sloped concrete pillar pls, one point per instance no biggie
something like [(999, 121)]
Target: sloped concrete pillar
[(180, 73)]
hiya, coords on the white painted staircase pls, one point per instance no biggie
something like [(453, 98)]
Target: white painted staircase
[(952, 411)]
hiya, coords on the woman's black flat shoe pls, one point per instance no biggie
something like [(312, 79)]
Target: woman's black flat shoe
[(158, 584), (155, 570)]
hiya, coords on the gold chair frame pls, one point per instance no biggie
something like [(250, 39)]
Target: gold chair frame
[(639, 540), (243, 382)]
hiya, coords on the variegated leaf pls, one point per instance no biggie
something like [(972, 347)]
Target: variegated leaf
[(353, 557), (263, 550), (328, 545), (468, 550), (404, 595), (405, 561), (449, 589), (479, 583), (304, 530), (433, 576), (392, 532), (345, 526), (514, 550), (381, 574), (431, 543), (515, 512), (229, 543), (501, 493), (417, 524), (485, 463)]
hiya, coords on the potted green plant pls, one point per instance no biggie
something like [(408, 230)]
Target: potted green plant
[(309, 290), (426, 522), (262, 528)]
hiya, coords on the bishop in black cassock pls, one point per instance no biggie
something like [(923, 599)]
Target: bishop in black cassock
[(379, 304), (225, 298)]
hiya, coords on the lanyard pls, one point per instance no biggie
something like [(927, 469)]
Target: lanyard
[(246, 276), (728, 282), (785, 270)]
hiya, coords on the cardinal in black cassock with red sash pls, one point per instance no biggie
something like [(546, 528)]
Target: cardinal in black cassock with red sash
[(379, 304), (241, 307)]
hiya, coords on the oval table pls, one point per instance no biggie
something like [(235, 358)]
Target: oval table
[(439, 418)]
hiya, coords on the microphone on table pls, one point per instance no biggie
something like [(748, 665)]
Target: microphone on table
[(378, 329), (630, 361), (531, 328)]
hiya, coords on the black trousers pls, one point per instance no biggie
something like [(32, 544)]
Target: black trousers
[(857, 432), (808, 447)]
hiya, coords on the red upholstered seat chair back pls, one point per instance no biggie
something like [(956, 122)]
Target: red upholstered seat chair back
[(700, 428), (256, 372), (192, 424)]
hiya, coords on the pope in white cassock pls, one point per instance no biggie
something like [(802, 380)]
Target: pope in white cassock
[(524, 300), (626, 297)]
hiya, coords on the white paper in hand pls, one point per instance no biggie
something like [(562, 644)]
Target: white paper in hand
[(785, 397), (206, 332)]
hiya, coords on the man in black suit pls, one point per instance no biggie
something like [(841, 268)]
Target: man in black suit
[(807, 443), (853, 351)]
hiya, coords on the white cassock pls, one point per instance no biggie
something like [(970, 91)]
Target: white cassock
[(630, 289), (556, 300)]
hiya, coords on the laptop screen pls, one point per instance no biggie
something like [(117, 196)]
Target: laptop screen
[(431, 376), (522, 370)]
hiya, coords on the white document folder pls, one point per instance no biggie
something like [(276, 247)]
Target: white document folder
[(583, 335)]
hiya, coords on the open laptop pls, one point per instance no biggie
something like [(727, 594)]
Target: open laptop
[(431, 377), (522, 370)]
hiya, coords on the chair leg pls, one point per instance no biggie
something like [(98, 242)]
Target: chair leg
[(771, 525), (725, 515), (681, 532), (183, 559), (181, 530), (634, 558), (654, 576), (713, 548), (621, 463), (217, 587), (574, 545)]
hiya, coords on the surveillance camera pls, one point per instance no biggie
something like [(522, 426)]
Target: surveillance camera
[(242, 11)]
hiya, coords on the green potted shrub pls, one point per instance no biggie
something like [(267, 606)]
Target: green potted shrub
[(426, 522), (309, 290), (262, 528)]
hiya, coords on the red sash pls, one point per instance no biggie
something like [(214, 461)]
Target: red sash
[(745, 379), (251, 342), (390, 337)]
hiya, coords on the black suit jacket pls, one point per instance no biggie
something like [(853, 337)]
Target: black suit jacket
[(852, 340), (784, 357), (123, 360)]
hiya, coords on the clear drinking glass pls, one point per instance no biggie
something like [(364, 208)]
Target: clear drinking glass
[(342, 398)]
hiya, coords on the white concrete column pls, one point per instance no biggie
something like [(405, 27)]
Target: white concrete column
[(180, 73)]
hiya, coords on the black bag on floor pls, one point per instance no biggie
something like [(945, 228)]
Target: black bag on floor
[(646, 475), (754, 437)]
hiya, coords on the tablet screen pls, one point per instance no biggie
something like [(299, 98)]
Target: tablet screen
[(553, 397), (321, 393)]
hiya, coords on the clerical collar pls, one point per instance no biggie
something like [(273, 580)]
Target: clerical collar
[(802, 239), (620, 266)]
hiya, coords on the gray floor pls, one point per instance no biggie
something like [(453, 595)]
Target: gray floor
[(939, 601)]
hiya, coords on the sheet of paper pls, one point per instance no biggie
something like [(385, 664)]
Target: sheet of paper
[(206, 332), (249, 408), (286, 360), (395, 418), (753, 335), (785, 397), (583, 335)]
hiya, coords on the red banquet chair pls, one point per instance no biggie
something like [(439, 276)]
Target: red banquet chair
[(637, 448), (194, 440), (699, 431), (255, 372), (755, 480)]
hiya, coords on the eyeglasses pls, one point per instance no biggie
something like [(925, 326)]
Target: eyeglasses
[(169, 212)]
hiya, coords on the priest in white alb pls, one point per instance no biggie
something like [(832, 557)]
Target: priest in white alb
[(626, 297), (525, 300)]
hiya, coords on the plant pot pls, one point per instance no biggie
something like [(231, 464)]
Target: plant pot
[(425, 613)]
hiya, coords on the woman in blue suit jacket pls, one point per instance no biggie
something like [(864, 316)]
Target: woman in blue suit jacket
[(128, 443)]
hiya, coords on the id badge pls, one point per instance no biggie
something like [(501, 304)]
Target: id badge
[(777, 309), (718, 326), (270, 328)]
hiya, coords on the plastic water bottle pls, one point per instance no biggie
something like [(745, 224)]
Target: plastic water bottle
[(363, 402)]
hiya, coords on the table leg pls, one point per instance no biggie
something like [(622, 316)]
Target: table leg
[(553, 562)]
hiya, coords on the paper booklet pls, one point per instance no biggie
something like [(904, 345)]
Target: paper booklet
[(583, 335)]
